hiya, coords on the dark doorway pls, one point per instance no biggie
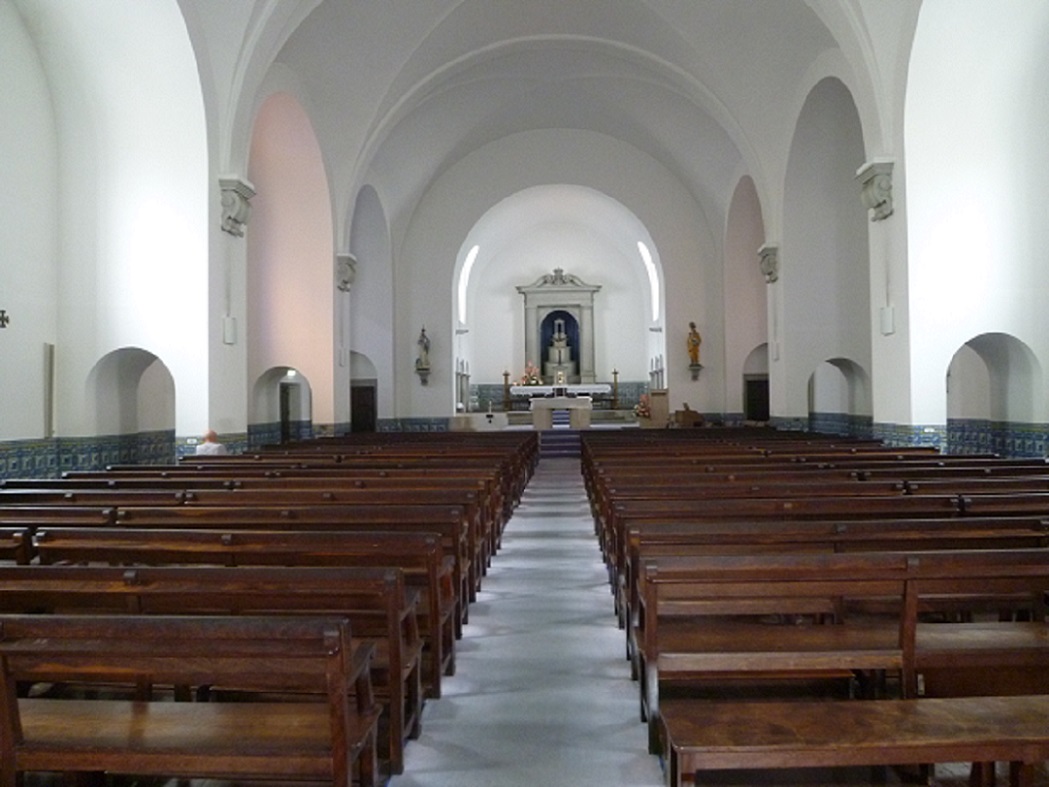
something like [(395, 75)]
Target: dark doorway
[(286, 394), (756, 398), (362, 408)]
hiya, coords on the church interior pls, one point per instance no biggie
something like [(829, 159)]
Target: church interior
[(251, 233), (525, 237)]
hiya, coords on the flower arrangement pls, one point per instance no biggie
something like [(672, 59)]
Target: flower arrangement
[(531, 375), (643, 409)]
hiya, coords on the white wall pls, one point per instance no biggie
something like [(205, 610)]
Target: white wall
[(132, 224), (28, 228), (977, 165), (434, 241)]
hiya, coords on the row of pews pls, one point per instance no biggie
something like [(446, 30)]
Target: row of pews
[(285, 613), (798, 601)]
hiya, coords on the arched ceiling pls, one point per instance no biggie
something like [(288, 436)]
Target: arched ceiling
[(695, 85)]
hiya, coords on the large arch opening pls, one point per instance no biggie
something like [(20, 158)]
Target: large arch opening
[(291, 257), (558, 231), (746, 310), (823, 292)]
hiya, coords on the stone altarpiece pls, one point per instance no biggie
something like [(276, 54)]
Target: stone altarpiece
[(568, 295)]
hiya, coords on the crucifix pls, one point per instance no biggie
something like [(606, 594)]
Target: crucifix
[(4, 319)]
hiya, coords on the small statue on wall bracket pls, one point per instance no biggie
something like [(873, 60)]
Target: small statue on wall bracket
[(693, 342), (422, 361)]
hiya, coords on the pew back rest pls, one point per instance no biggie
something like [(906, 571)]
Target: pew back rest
[(264, 653), (374, 598)]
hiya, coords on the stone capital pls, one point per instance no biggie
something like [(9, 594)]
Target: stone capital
[(236, 204), (345, 271), (768, 256), (875, 179)]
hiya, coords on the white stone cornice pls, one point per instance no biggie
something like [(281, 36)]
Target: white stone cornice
[(875, 179), (236, 204)]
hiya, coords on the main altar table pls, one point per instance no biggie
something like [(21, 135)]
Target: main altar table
[(578, 407)]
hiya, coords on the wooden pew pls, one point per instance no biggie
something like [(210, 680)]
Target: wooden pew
[(707, 619), (714, 621), (479, 535), (449, 522), (653, 540), (373, 600), (774, 735), (331, 738), (842, 509), (16, 545), (419, 556)]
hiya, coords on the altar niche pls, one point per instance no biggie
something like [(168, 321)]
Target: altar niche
[(559, 335), (566, 298)]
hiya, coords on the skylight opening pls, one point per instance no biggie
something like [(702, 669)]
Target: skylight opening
[(464, 281)]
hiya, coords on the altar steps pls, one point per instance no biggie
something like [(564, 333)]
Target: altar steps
[(563, 442)]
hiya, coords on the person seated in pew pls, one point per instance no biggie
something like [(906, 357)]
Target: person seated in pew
[(211, 445)]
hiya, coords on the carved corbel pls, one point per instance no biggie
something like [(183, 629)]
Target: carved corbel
[(345, 271), (875, 180), (769, 261), (236, 204)]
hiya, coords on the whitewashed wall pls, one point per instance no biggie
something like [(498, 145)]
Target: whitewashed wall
[(977, 165), (28, 228)]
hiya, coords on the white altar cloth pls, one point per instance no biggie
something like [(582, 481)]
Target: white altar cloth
[(578, 389)]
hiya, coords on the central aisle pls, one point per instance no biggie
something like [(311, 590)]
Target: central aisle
[(542, 693)]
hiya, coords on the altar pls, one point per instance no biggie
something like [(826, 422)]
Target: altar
[(578, 408), (578, 389)]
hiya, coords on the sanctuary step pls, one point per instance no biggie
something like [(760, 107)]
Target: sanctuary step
[(559, 443)]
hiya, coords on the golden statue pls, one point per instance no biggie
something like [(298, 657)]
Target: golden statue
[(694, 340)]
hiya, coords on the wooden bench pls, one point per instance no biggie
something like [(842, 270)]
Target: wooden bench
[(327, 733), (373, 600), (842, 509), (653, 540), (479, 534), (775, 735), (419, 556), (448, 521), (16, 545), (713, 620)]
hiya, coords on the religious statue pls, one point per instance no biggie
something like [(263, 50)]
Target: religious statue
[(423, 361), (694, 340), (559, 363)]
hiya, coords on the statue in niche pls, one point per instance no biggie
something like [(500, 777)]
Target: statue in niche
[(559, 364)]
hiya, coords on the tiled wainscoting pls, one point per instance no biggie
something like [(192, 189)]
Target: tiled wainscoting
[(50, 458)]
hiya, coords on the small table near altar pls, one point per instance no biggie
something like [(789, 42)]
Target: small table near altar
[(544, 399), (578, 407)]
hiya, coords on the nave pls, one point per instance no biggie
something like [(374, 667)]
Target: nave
[(542, 694)]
